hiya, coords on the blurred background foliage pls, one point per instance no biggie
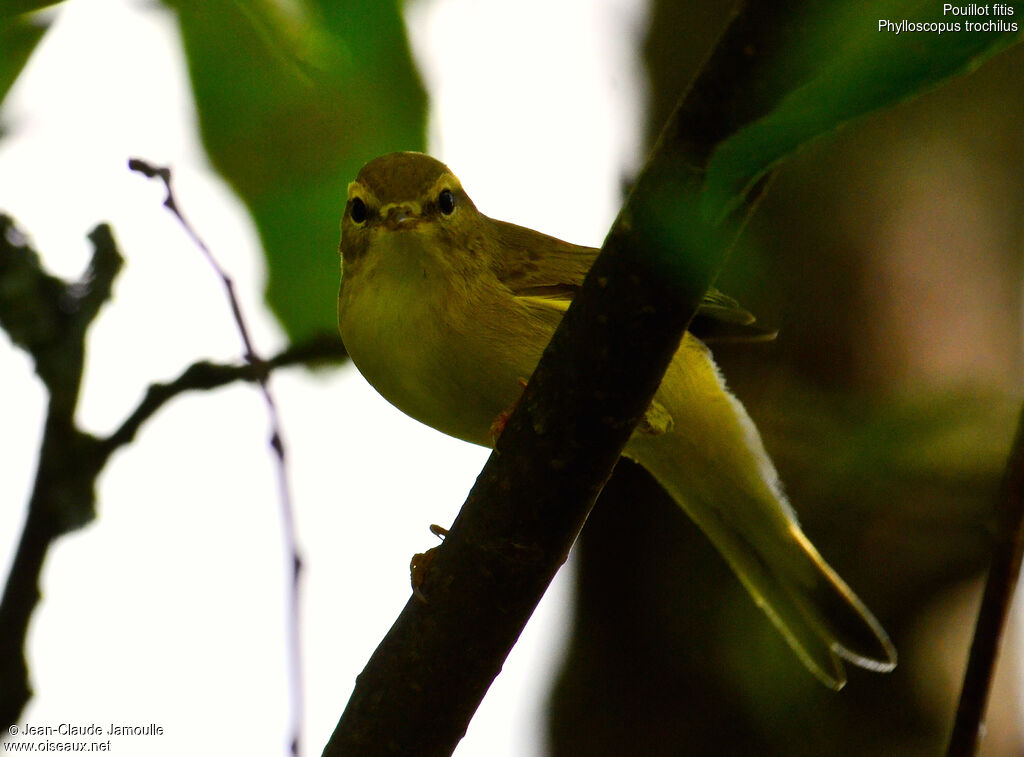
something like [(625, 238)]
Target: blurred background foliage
[(893, 252), (293, 98), (18, 37)]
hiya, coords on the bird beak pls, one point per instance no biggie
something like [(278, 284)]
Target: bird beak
[(400, 217)]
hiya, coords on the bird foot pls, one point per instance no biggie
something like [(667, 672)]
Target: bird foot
[(498, 426)]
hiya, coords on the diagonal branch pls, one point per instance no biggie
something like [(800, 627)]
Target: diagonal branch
[(276, 439)]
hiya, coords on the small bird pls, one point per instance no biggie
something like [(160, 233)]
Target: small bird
[(446, 312)]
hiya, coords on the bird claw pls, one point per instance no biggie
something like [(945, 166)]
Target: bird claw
[(498, 426)]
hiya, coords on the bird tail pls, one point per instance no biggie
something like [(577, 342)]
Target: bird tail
[(710, 459), (821, 619)]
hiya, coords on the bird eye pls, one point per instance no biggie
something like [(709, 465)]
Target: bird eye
[(446, 202), (357, 210)]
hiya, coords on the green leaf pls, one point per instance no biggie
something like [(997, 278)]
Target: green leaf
[(12, 8), (855, 67), (293, 98), (18, 38)]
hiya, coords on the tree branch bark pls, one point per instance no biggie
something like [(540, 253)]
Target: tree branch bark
[(995, 605), (48, 318)]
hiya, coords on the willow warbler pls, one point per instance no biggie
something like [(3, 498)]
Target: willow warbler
[(446, 311)]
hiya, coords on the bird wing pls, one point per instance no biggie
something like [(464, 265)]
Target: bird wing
[(719, 318), (540, 267), (547, 272)]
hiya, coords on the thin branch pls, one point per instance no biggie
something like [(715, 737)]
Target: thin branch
[(204, 375), (163, 173), (995, 605)]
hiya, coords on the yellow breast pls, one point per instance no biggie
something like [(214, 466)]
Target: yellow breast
[(446, 350)]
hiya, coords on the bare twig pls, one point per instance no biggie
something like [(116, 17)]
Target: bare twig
[(995, 605), (163, 173), (204, 375)]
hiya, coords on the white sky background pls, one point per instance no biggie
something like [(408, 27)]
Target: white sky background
[(170, 607)]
